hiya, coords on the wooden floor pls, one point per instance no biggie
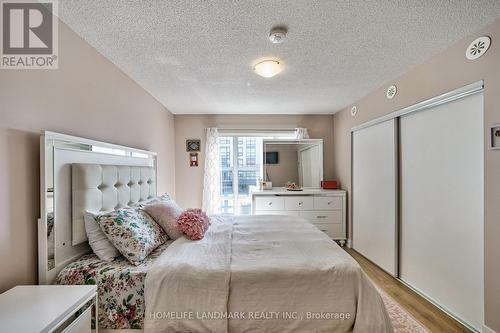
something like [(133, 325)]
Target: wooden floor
[(426, 313)]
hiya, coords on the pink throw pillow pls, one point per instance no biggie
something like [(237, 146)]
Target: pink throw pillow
[(165, 213), (193, 223)]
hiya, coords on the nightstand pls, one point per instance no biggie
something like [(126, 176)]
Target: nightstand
[(51, 308)]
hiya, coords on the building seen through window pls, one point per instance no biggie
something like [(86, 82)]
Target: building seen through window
[(241, 169)]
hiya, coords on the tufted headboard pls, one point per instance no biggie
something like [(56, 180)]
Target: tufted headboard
[(98, 187)]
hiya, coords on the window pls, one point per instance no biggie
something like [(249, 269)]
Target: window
[(238, 177)]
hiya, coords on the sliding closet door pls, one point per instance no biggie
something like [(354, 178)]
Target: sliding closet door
[(442, 205), (374, 193)]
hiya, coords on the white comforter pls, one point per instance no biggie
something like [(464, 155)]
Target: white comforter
[(261, 274)]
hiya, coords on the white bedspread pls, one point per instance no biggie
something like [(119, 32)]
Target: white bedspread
[(261, 274)]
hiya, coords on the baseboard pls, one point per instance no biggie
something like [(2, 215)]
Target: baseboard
[(109, 330), (486, 329)]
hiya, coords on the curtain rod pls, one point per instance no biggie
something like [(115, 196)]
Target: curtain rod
[(256, 129)]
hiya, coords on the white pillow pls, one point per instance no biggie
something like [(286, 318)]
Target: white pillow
[(98, 241)]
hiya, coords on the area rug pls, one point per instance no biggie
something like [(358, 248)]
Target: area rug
[(402, 321)]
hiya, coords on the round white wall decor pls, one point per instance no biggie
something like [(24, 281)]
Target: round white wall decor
[(478, 47), (391, 92), (354, 110)]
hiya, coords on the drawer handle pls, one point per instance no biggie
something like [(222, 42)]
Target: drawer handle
[(329, 202), (300, 203), (321, 217), (270, 203)]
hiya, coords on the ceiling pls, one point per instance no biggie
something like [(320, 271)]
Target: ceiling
[(197, 56)]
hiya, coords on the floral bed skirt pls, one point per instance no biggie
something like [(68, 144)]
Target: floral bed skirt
[(120, 286)]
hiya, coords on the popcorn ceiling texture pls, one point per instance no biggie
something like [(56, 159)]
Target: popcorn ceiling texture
[(196, 56)]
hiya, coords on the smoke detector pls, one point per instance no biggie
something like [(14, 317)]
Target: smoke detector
[(277, 35)]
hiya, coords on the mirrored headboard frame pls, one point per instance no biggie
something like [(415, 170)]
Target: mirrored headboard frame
[(318, 142), (57, 153)]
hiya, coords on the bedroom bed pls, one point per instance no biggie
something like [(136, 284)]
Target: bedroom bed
[(248, 274), (265, 273), (264, 281)]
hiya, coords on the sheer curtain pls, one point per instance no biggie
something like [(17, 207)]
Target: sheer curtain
[(211, 178), (301, 133)]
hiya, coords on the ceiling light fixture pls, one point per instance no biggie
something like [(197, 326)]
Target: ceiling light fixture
[(268, 68)]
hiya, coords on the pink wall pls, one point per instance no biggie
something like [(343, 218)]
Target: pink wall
[(87, 96), (443, 73), (189, 180)]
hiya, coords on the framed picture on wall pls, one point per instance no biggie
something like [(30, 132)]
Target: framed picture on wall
[(495, 137), (193, 145)]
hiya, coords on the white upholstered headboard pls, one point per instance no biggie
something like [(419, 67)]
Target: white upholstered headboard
[(97, 187)]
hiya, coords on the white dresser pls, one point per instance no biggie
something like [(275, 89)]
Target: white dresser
[(50, 308), (326, 209)]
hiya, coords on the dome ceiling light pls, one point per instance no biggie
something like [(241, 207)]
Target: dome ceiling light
[(268, 68)]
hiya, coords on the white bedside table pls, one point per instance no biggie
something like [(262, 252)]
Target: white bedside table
[(54, 308)]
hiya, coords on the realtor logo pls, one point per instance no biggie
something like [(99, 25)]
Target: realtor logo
[(29, 34)]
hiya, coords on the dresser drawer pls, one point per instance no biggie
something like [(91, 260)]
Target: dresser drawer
[(82, 324), (299, 203), (332, 230), (269, 203), (327, 217), (328, 203), (277, 212)]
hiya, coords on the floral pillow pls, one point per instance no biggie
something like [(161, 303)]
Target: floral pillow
[(133, 232)]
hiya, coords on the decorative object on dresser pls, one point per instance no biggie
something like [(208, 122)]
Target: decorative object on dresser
[(267, 185), (291, 186), (330, 184), (326, 209), (66, 309)]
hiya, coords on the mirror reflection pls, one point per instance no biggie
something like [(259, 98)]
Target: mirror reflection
[(49, 204), (294, 162)]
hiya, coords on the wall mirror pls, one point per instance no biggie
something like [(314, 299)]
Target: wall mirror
[(295, 161)]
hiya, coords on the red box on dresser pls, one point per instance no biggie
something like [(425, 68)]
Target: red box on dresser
[(330, 185)]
